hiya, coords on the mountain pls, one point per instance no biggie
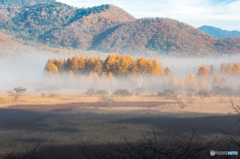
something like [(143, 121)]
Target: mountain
[(23, 2), (157, 34), (88, 27), (11, 47), (108, 28), (32, 21), (217, 32)]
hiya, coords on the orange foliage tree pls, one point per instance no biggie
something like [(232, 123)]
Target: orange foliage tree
[(203, 70)]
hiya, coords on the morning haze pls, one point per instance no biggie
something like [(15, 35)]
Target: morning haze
[(98, 82)]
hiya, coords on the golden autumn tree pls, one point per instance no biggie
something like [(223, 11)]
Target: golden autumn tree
[(81, 64), (150, 68), (47, 64), (141, 70), (173, 82), (73, 65), (98, 67), (123, 65), (191, 82), (211, 70), (180, 83), (52, 69), (60, 65), (156, 68), (216, 82), (203, 84), (86, 62), (236, 69), (202, 70), (229, 68), (69, 63), (131, 65), (91, 64), (167, 71), (222, 68), (116, 66), (108, 65)]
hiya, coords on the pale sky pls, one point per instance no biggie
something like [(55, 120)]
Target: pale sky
[(224, 14)]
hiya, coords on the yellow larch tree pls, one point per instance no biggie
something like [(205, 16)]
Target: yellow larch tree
[(167, 71), (236, 69), (229, 69), (216, 82), (74, 65), (222, 68), (156, 68), (81, 64), (202, 70), (123, 69), (211, 70), (52, 69), (131, 65)]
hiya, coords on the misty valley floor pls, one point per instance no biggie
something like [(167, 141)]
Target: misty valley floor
[(22, 128)]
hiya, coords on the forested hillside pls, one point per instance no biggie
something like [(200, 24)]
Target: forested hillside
[(108, 28), (10, 47), (23, 2), (165, 36), (32, 21), (157, 34), (88, 27)]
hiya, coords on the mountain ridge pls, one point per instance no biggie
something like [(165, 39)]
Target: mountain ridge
[(23, 2), (217, 32)]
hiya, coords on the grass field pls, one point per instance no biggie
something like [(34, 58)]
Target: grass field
[(66, 120)]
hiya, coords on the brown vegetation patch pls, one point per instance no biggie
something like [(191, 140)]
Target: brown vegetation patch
[(85, 105)]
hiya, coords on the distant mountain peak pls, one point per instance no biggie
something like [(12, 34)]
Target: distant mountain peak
[(217, 32)]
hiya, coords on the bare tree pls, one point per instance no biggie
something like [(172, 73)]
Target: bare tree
[(232, 137), (90, 92), (102, 92), (122, 92), (16, 92), (178, 146)]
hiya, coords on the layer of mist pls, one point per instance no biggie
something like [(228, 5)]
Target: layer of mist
[(27, 70)]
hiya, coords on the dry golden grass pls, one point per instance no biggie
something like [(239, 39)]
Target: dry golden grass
[(212, 105)]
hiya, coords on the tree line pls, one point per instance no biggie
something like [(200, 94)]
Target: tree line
[(230, 69), (114, 64)]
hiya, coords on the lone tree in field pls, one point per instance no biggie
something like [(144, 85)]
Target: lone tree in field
[(168, 93), (107, 100), (202, 94), (16, 92)]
